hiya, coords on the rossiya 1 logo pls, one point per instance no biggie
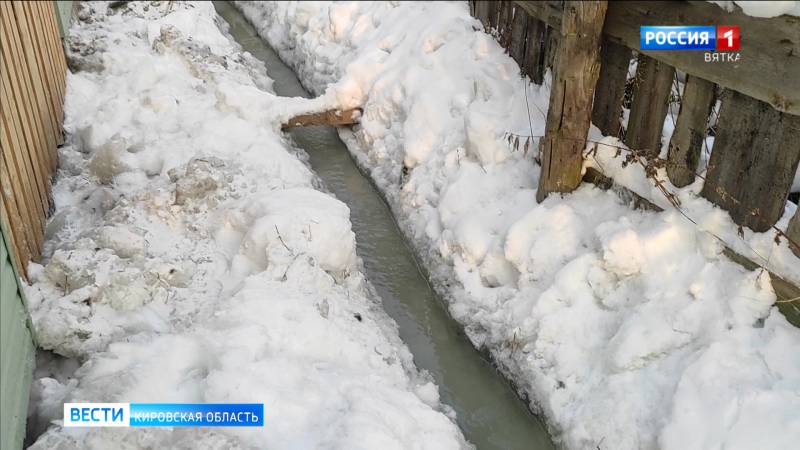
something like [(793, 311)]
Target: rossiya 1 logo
[(720, 43)]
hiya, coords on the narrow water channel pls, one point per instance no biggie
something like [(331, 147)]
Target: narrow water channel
[(489, 411)]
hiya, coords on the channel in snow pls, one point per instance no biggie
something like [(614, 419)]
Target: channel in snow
[(628, 329)]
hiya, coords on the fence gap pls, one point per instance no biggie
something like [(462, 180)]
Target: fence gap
[(652, 87), (607, 106), (690, 131), (568, 117), (754, 161)]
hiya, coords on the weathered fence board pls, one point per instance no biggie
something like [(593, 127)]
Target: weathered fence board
[(770, 49), (333, 117), (481, 12), (754, 161), (518, 25), (25, 187), (568, 117), (32, 84), (533, 61), (607, 106), (690, 131), (650, 105), (551, 42)]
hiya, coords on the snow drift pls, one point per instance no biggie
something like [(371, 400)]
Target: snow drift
[(628, 329)]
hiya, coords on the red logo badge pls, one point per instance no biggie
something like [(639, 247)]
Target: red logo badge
[(727, 38)]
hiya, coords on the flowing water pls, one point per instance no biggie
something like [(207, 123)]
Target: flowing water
[(488, 410)]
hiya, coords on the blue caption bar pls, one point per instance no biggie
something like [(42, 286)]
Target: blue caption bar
[(677, 38), (196, 414)]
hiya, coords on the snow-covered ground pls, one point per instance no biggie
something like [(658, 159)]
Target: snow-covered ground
[(763, 8), (629, 329), (194, 257)]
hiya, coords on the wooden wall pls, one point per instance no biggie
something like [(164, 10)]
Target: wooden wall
[(33, 82)]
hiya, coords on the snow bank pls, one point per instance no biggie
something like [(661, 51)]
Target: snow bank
[(193, 258), (764, 9), (629, 329)]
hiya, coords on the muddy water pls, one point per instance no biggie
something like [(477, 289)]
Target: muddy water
[(488, 411)]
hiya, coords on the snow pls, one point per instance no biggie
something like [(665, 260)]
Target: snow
[(195, 257), (764, 9), (628, 329)]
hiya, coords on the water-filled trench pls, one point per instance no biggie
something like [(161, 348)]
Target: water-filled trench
[(489, 412)]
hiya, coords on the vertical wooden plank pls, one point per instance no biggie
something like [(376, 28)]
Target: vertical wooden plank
[(690, 131), (482, 13), (55, 28), (50, 47), (793, 231), (21, 112), (607, 105), (21, 176), (534, 49), (22, 138), (12, 215), (28, 58), (518, 25), (50, 15), (34, 26), (652, 87), (504, 23), (494, 12), (20, 86), (753, 161), (552, 37), (568, 118)]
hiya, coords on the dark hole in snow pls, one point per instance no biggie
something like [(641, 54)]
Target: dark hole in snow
[(357, 316)]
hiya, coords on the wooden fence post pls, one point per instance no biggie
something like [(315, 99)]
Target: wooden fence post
[(577, 67), (650, 105), (607, 106), (754, 161), (690, 131), (793, 231)]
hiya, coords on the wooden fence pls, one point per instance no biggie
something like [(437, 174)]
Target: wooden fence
[(33, 82), (590, 47)]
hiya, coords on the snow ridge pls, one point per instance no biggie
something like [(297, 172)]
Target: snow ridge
[(628, 329)]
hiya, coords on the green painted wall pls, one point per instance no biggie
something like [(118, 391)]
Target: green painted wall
[(16, 355), (64, 14)]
